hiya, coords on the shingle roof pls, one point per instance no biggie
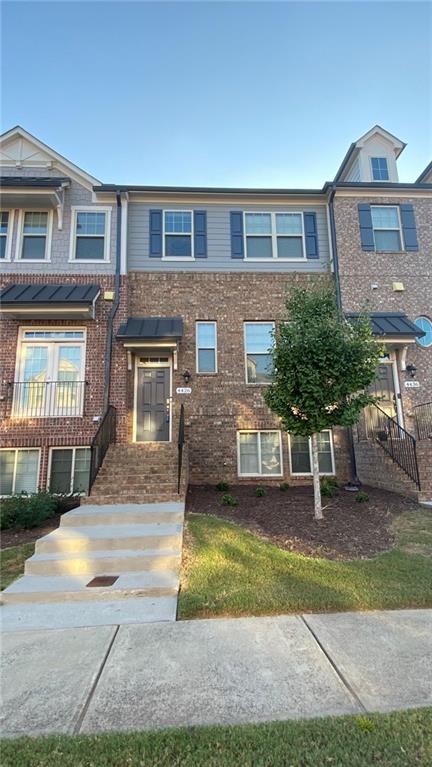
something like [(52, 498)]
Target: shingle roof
[(151, 328), (48, 294), (390, 324)]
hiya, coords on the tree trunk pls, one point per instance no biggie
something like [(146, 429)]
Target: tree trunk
[(316, 479)]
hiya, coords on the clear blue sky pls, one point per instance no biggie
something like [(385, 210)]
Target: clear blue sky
[(247, 93)]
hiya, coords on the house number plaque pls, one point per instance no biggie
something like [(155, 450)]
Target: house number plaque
[(412, 384), (183, 390)]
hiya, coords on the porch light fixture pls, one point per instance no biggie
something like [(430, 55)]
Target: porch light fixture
[(187, 376), (411, 369)]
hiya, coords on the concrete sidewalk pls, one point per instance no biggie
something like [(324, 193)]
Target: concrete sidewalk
[(223, 671)]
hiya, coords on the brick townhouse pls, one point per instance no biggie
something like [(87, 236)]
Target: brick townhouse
[(160, 302)]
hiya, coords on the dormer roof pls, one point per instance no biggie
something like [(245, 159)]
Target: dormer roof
[(426, 175), (396, 146)]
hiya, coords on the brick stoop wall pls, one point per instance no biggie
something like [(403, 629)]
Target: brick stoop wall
[(377, 469), (424, 460)]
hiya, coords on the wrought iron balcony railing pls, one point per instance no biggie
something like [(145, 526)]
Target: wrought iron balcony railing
[(46, 399)]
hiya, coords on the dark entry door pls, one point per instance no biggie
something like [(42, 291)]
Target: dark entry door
[(383, 387), (152, 416)]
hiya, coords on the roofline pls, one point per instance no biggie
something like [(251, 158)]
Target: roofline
[(344, 162), (424, 173), (118, 188), (79, 171), (354, 146)]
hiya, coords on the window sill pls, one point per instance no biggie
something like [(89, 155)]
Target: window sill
[(33, 260), (178, 258), (308, 474), (268, 383), (274, 259), (88, 261), (215, 373), (260, 476)]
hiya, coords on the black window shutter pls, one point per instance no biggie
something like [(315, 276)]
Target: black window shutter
[(366, 228), (409, 227), (237, 246), (155, 226), (200, 234), (311, 235)]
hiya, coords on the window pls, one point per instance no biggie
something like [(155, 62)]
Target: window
[(274, 235), (206, 347), (379, 169), (259, 453), (90, 234), (424, 324), (69, 470), (386, 228), (49, 373), (178, 231), (301, 453), (19, 471), (258, 342), (5, 239), (35, 235)]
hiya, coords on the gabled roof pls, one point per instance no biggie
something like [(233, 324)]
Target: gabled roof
[(355, 147), (423, 178), (18, 145)]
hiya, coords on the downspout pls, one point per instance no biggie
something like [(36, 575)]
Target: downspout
[(113, 310), (354, 482)]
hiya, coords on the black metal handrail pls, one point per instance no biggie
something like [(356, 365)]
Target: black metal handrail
[(44, 399), (180, 444), (104, 437), (399, 444), (423, 419)]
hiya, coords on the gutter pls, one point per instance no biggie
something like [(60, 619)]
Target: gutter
[(113, 310), (334, 247)]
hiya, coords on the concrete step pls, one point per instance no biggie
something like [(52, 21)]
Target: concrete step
[(98, 538), (124, 514), (141, 498), (73, 588), (103, 562), (51, 615)]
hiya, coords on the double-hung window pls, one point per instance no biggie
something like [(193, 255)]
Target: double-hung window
[(206, 347), (178, 234), (386, 228), (19, 471), (35, 235), (69, 470), (90, 234), (379, 169), (258, 343), (259, 453), (5, 234), (49, 373), (274, 235), (301, 454)]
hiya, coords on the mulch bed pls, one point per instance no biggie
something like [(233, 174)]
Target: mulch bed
[(17, 537), (350, 530)]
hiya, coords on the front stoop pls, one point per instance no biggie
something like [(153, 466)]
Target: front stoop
[(139, 544)]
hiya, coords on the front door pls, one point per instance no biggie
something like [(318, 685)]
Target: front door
[(384, 388), (153, 404)]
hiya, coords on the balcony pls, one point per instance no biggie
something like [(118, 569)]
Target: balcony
[(47, 399)]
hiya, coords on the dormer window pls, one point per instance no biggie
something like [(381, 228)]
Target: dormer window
[(379, 169)]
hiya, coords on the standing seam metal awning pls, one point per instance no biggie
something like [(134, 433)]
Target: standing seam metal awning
[(394, 324), (151, 329), (49, 300)]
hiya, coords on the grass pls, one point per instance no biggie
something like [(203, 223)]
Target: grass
[(229, 571), (402, 739), (12, 562)]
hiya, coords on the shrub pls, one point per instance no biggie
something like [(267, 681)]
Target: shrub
[(260, 491), (284, 486), (329, 486), (229, 500), (26, 511), (362, 497), (222, 486)]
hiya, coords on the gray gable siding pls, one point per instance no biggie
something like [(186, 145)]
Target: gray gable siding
[(218, 240), (75, 194)]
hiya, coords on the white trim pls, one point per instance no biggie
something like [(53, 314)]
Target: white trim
[(389, 229), (206, 348), (16, 449), (9, 234), (124, 233), (254, 322), (309, 473), (259, 432), (379, 157), (137, 365), (66, 447), (178, 234), (75, 209), (274, 235), (20, 236)]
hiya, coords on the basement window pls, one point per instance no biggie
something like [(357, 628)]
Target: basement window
[(259, 453), (300, 449), (19, 471), (69, 470)]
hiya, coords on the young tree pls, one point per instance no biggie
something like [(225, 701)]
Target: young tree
[(322, 365)]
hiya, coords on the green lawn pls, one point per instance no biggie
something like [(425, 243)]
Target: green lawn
[(229, 571), (386, 740), (12, 562)]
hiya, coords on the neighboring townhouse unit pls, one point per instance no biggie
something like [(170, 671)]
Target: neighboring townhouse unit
[(163, 315)]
